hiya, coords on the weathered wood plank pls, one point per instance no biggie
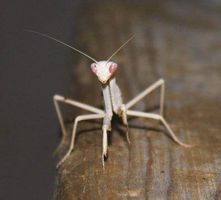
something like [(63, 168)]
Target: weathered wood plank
[(182, 48)]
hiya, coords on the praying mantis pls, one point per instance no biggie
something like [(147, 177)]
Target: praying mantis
[(113, 103)]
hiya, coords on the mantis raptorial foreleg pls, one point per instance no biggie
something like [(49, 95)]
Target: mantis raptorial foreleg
[(108, 107), (159, 118), (121, 109), (117, 102), (115, 95), (123, 115), (104, 144), (107, 119)]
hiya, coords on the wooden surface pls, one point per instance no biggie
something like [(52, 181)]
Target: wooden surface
[(179, 42)]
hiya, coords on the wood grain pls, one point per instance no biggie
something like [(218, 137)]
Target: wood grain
[(179, 42)]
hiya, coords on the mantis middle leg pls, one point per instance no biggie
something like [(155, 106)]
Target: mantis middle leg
[(162, 120), (160, 83), (59, 98), (98, 114)]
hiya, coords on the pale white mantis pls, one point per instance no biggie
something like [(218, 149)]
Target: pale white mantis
[(106, 72)]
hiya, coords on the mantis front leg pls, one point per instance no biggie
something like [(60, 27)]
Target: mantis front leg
[(107, 120), (118, 106)]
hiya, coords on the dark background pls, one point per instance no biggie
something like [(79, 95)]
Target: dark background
[(32, 69)]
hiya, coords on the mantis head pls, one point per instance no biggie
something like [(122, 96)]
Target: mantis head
[(104, 70)]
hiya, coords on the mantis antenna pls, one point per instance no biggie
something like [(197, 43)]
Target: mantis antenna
[(47, 36), (120, 48), (52, 38)]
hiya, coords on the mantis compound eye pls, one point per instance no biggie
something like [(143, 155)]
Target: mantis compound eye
[(94, 68), (113, 67)]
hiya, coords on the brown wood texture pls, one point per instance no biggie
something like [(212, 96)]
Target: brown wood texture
[(179, 42)]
